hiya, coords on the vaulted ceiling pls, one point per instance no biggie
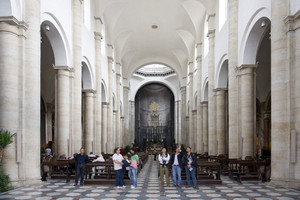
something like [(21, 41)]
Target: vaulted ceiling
[(154, 31)]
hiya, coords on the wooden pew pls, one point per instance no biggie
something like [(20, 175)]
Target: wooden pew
[(245, 169), (59, 169)]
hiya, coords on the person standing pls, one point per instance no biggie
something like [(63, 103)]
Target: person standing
[(154, 153), (117, 159), (190, 163), (80, 159), (134, 162), (163, 159), (176, 162)]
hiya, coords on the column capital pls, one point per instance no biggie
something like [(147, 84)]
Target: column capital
[(220, 90), (211, 33), (293, 21), (65, 68), (105, 103), (194, 112), (199, 58), (110, 59), (89, 91), (98, 36), (246, 69), (183, 88), (204, 102)]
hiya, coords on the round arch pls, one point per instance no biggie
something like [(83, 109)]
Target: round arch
[(103, 91), (222, 73), (256, 28), (87, 75), (205, 90), (147, 82), (54, 31)]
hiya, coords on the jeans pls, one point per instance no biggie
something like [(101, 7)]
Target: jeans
[(80, 171), (176, 171), (123, 175), (188, 174), (119, 177), (133, 176)]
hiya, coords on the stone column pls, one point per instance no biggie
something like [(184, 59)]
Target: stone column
[(205, 126), (116, 136), (246, 74), (110, 128), (211, 86), (194, 142), (233, 139), (62, 107), (187, 128), (221, 121), (11, 76), (118, 106), (182, 133), (190, 131), (199, 122), (89, 120), (123, 144), (126, 115), (132, 122), (104, 127), (281, 94), (76, 135), (31, 92), (176, 113), (98, 94)]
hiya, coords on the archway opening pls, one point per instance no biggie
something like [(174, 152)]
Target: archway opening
[(47, 95), (263, 98), (154, 117)]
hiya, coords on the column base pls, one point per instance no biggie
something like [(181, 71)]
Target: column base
[(22, 182), (289, 183)]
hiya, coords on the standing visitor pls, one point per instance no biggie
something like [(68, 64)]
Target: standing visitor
[(117, 159), (80, 159), (190, 163), (154, 153), (176, 162), (134, 162), (163, 159)]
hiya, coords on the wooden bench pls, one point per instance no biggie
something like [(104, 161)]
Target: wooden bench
[(245, 169), (61, 169)]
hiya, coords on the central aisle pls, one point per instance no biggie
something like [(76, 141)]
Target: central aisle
[(149, 188)]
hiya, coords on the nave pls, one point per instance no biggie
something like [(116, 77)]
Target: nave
[(149, 188)]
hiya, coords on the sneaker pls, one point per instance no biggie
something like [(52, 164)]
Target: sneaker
[(117, 187), (75, 184), (123, 187), (195, 187), (132, 187)]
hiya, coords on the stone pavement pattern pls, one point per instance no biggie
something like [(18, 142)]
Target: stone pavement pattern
[(149, 188)]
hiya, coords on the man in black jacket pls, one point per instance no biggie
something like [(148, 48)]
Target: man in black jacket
[(190, 164), (80, 160), (176, 163)]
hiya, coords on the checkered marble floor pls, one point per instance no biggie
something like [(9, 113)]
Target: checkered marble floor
[(149, 188)]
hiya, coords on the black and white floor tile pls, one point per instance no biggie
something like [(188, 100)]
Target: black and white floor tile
[(149, 188)]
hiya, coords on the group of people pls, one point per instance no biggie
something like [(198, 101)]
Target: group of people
[(178, 161), (130, 162)]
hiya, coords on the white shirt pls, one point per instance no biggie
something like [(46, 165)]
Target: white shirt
[(176, 159), (99, 159), (118, 158), (166, 158)]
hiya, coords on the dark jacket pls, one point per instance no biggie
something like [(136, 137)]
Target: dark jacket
[(185, 160), (179, 157), (125, 164), (86, 158)]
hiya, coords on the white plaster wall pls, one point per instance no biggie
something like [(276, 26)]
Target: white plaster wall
[(248, 14), (63, 15)]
